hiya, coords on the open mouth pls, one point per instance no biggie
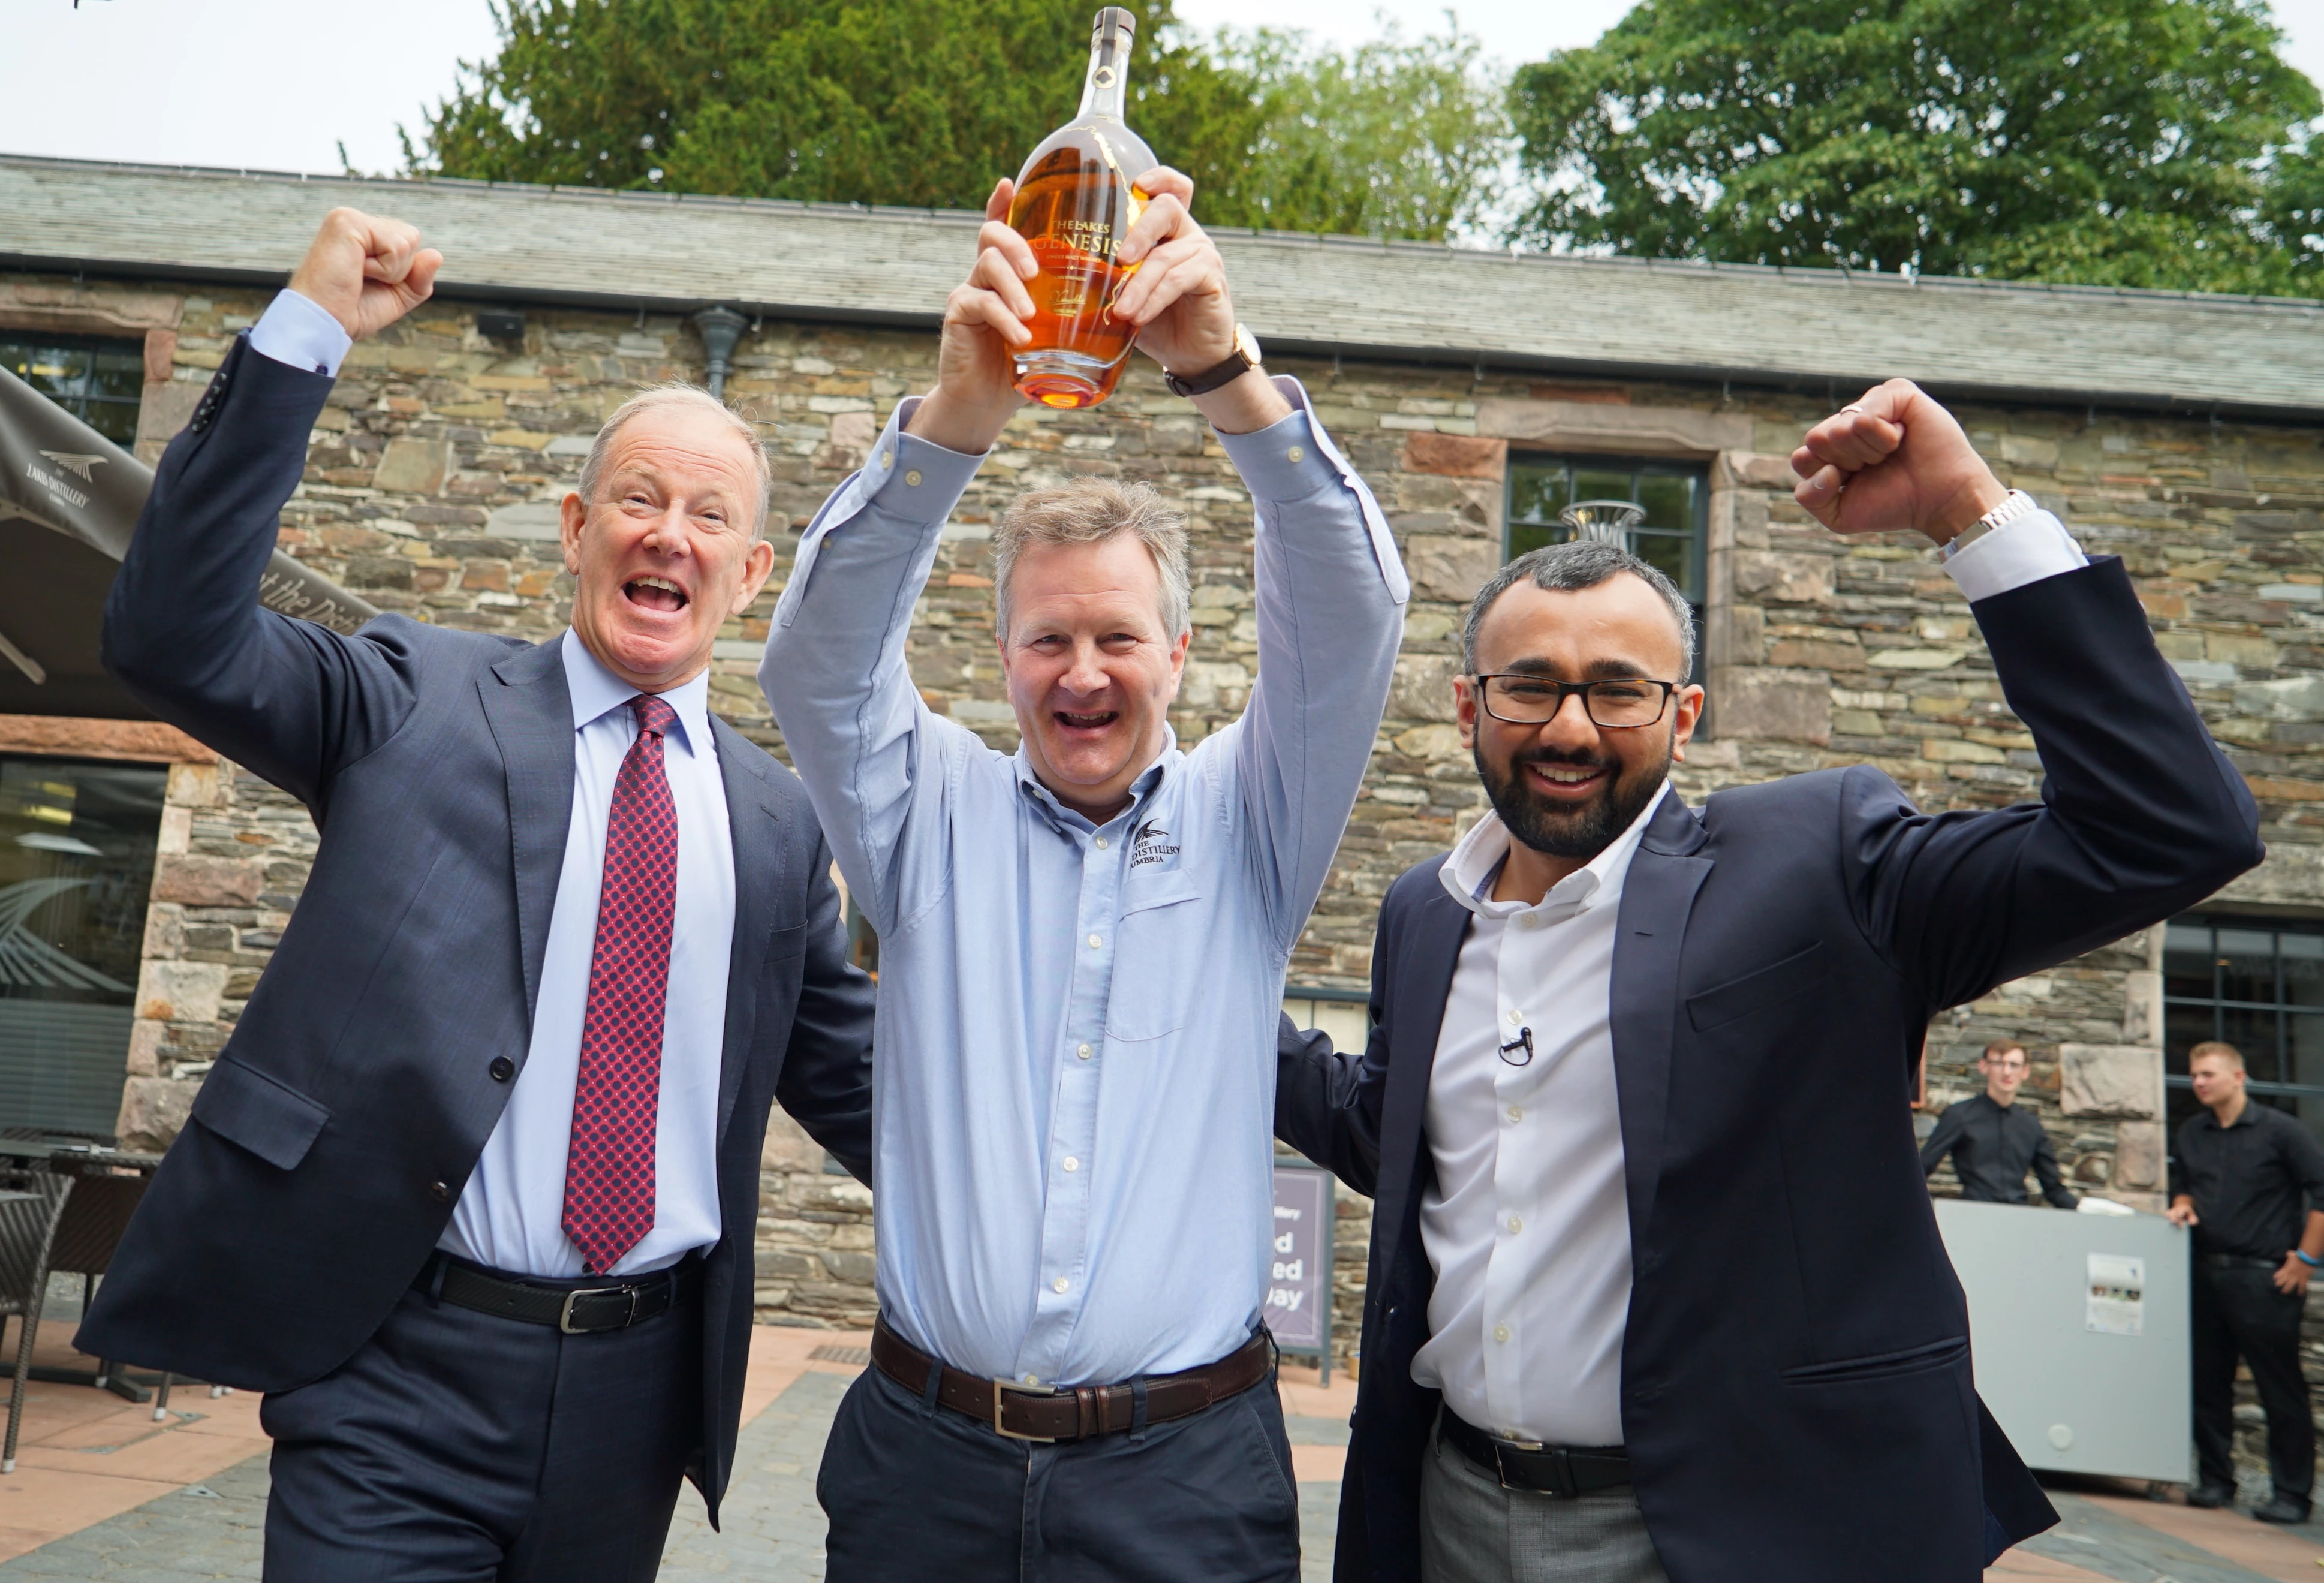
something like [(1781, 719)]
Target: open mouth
[(1565, 782), (1097, 720), (655, 594)]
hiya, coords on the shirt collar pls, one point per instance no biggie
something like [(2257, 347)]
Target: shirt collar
[(596, 691), (1470, 873), (1151, 776)]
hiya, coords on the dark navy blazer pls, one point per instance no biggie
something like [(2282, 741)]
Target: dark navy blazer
[(332, 1138), (1797, 1393)]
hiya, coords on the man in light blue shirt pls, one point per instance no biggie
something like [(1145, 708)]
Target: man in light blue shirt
[(1083, 949)]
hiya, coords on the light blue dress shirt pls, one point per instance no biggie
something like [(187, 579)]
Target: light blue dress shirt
[(511, 1216), (1073, 1069)]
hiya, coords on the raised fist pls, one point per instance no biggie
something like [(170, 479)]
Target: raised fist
[(366, 271), (1894, 460)]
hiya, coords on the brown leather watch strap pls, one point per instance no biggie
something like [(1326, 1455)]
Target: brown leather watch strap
[(1075, 1412)]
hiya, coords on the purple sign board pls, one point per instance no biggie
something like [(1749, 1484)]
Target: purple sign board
[(1298, 1307)]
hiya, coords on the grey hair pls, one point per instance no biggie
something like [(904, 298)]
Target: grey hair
[(660, 398), (1577, 563), (1091, 510)]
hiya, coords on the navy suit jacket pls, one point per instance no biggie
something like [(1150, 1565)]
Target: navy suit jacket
[(331, 1140), (1797, 1393)]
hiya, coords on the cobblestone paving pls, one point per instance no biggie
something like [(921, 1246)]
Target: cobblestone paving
[(774, 1530)]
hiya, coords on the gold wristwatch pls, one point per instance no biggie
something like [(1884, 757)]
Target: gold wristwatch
[(1241, 361)]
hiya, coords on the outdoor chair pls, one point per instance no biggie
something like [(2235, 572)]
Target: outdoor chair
[(29, 1213)]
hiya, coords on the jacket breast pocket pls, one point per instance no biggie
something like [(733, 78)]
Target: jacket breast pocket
[(1154, 952), (245, 1106), (1771, 985)]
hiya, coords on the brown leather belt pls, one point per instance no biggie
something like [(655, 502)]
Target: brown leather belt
[(1075, 1412)]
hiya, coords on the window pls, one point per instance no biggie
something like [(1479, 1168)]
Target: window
[(76, 846), (97, 381), (1675, 495), (2257, 984)]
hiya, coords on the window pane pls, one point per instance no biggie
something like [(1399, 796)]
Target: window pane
[(2247, 965), (1669, 502), (60, 373), (2183, 1028), (1590, 484), (2253, 1033), (1536, 494), (76, 843), (115, 420), (1668, 554), (2187, 958), (118, 376)]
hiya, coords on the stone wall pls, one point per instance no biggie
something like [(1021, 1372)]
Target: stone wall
[(431, 489)]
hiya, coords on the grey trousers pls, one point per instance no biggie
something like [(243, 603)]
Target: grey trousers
[(1472, 1530)]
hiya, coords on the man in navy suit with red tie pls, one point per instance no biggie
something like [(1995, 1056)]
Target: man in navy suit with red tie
[(471, 1192)]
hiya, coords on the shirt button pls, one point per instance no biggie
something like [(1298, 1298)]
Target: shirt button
[(1083, 1051), (1072, 1164), (1517, 1112), (1059, 1284), (1500, 1332), (887, 459), (1295, 454), (502, 1069), (912, 479), (1528, 920), (1515, 1017), (1100, 843), (1032, 1379), (1516, 1224), (1096, 942)]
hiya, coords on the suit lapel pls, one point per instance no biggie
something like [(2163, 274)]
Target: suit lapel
[(1426, 955), (1657, 895), (758, 831), (530, 712)]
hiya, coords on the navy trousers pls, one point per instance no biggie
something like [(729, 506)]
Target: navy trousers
[(457, 1447), (915, 1492)]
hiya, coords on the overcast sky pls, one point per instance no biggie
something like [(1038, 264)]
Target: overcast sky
[(276, 84)]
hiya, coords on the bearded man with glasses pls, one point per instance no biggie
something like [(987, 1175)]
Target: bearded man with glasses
[(1655, 1291)]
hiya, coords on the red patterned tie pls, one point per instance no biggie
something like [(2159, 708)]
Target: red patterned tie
[(609, 1172)]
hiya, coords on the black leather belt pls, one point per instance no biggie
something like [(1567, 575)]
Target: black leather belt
[(1558, 1470), (2236, 1261), (576, 1308)]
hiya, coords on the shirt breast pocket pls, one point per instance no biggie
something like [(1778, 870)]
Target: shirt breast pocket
[(1154, 958)]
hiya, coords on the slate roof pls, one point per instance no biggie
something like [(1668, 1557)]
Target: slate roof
[(1587, 317)]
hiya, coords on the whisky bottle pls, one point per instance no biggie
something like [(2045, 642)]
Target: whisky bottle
[(1075, 203)]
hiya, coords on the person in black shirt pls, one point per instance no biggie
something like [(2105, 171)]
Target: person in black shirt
[(1992, 1141), (2243, 1175)]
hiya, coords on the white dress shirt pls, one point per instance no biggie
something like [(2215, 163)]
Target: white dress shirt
[(1527, 1227), (511, 1216)]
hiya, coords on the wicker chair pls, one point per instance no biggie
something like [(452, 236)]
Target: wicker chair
[(28, 1227)]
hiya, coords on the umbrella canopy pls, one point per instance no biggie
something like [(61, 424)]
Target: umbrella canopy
[(69, 500)]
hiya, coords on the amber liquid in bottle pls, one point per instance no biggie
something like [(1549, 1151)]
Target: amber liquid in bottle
[(1075, 203)]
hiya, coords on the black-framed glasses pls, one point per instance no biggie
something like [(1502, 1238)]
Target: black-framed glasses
[(1618, 703)]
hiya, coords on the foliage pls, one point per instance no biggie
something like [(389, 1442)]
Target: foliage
[(2135, 142), (1393, 139), (878, 101)]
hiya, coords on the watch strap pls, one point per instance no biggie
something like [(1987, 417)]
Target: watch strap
[(1237, 364), (2016, 504)]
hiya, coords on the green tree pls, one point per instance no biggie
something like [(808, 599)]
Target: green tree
[(2135, 142), (862, 101), (1393, 139)]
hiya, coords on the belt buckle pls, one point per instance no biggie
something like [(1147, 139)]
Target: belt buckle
[(564, 1314), (1000, 1389), (1561, 1462)]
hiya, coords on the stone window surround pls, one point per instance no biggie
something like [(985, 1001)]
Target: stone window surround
[(164, 404), (1720, 441)]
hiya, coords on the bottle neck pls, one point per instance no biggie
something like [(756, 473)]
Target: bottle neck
[(1106, 89)]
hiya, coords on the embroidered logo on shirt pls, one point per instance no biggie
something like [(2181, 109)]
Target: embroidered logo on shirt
[(1147, 846)]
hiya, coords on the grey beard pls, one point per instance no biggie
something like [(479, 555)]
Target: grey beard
[(1586, 831)]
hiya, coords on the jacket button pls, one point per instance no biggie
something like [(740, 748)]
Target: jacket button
[(502, 1069), (440, 1191)]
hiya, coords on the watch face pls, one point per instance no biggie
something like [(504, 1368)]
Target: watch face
[(1248, 345)]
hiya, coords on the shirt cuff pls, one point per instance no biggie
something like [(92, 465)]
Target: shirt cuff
[(298, 331), (913, 479), (2034, 547), (1282, 462)]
